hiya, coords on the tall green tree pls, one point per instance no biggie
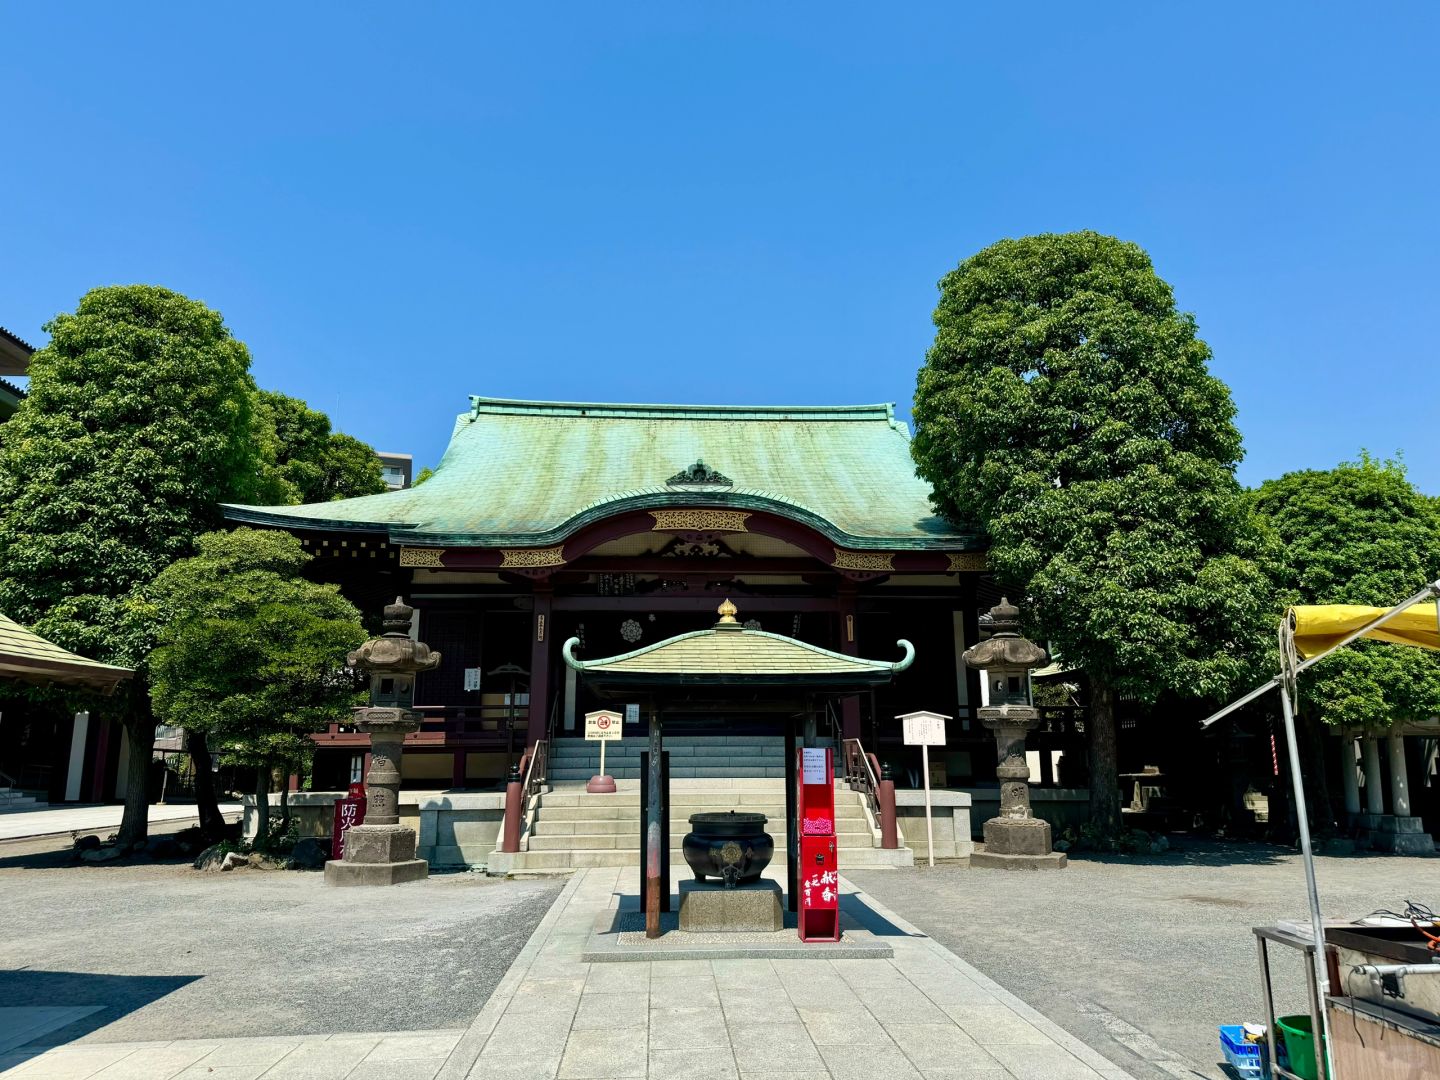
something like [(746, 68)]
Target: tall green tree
[(1358, 534), (249, 652), (310, 462), (136, 426), (1066, 407)]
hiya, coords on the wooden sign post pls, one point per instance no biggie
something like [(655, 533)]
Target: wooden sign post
[(602, 727), (925, 729)]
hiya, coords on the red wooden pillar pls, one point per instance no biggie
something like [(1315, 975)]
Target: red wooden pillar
[(540, 634), (849, 706)]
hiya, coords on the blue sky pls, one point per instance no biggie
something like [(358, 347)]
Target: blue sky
[(395, 206)]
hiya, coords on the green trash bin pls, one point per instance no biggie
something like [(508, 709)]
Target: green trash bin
[(1299, 1038)]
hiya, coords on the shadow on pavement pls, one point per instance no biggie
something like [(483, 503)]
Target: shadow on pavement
[(116, 995)]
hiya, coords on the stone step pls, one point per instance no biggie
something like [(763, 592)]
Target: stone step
[(747, 770), (859, 858), (561, 752), (569, 820), (849, 839)]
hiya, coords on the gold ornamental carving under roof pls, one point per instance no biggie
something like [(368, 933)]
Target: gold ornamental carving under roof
[(699, 520), (967, 560), (410, 556), (863, 560), (512, 558)]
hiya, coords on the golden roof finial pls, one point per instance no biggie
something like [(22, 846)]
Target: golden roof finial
[(726, 612)]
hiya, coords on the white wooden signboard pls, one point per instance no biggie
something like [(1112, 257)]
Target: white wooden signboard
[(925, 729), (602, 727), (472, 678)]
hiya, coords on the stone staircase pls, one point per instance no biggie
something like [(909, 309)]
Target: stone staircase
[(570, 829), (20, 800), (691, 757)]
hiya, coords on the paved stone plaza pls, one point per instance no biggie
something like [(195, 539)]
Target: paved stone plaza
[(925, 1013)]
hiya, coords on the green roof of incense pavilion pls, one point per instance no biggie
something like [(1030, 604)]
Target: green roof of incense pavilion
[(533, 473), (730, 653)]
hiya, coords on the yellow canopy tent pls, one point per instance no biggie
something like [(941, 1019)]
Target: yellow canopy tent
[(1319, 628)]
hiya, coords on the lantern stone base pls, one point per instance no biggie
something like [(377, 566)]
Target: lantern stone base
[(981, 859), (710, 907), (1013, 843), (377, 855)]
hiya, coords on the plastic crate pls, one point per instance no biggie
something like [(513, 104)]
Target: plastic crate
[(1248, 1058)]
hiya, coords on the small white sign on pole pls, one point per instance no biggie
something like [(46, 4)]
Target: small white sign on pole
[(602, 727), (925, 729)]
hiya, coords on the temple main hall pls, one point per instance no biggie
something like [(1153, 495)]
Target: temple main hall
[(621, 526)]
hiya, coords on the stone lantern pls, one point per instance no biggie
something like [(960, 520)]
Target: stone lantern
[(382, 851), (1015, 837)]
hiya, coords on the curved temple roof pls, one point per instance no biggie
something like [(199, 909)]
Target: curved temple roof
[(28, 657), (533, 473), (731, 654)]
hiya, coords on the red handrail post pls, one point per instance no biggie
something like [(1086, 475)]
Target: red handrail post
[(885, 798), (514, 802)]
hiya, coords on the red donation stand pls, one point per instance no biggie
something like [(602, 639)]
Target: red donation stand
[(349, 812), (819, 861)]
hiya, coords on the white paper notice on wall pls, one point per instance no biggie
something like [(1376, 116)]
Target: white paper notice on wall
[(472, 678), (812, 765), (632, 713)]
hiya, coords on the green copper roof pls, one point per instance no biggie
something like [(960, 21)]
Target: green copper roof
[(532, 473), (729, 654)]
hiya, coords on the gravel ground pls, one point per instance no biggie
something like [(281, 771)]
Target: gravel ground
[(175, 953), (1144, 958)]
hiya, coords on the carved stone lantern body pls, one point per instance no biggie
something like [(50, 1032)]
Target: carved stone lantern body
[(382, 851), (1005, 661)]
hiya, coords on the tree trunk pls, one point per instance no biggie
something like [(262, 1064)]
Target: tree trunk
[(212, 822), (135, 823), (262, 805), (1104, 757)]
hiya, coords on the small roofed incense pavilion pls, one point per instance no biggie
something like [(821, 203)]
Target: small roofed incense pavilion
[(727, 670), (614, 527)]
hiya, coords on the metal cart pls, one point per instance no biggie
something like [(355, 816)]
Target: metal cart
[(1264, 935)]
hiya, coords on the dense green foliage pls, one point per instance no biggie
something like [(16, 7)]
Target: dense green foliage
[(306, 461), (1358, 534), (136, 426), (425, 474), (248, 651), (1066, 407)]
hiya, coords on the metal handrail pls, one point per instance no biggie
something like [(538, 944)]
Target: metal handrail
[(533, 768), (861, 771), (9, 780)]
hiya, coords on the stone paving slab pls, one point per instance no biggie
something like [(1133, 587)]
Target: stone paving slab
[(618, 936), (101, 818), (921, 1013)]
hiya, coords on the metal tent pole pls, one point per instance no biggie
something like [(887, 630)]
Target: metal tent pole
[(1320, 1025)]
